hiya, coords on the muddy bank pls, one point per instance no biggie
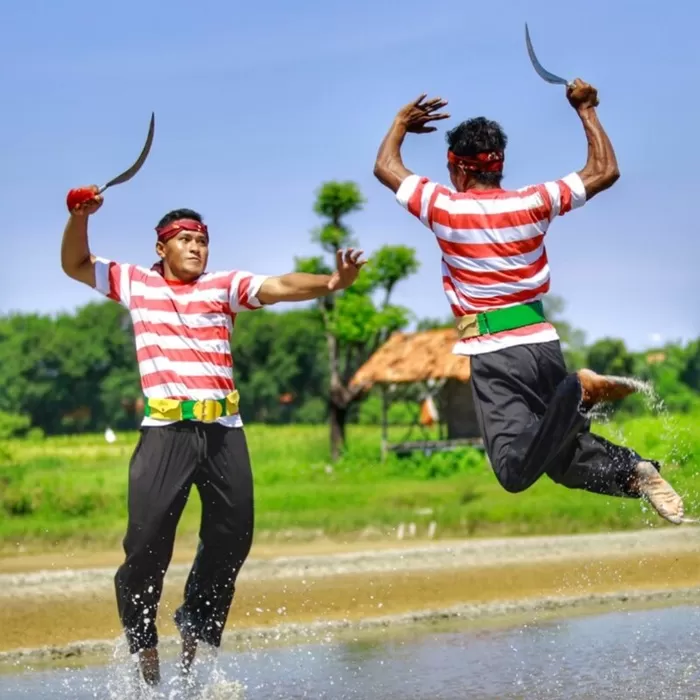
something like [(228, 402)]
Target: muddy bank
[(68, 575), (537, 609), (52, 612)]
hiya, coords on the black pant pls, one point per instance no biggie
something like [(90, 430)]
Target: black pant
[(529, 413), (167, 461)]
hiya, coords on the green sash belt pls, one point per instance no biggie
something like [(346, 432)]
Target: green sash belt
[(474, 325)]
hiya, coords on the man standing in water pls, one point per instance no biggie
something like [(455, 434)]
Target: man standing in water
[(533, 415), (192, 432)]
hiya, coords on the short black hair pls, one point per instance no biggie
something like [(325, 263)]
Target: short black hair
[(176, 214), (478, 135)]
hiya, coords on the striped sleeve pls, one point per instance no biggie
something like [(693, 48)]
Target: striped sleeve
[(114, 280), (422, 198), (564, 195), (243, 291)]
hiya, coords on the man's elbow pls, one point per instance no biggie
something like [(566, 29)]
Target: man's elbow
[(601, 180), (80, 272), (71, 270), (74, 269), (379, 171), (271, 292), (607, 178), (611, 175), (387, 176)]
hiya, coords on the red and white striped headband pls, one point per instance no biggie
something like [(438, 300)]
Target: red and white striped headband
[(165, 233), (489, 162)]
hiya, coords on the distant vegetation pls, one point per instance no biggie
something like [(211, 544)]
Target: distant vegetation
[(70, 491)]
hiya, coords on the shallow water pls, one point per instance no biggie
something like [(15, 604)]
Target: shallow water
[(639, 654)]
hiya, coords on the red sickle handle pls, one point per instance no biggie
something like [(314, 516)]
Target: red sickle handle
[(79, 196)]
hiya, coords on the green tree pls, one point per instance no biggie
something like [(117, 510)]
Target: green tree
[(610, 356), (99, 367), (62, 371), (358, 320), (29, 367), (276, 363), (671, 372), (690, 374)]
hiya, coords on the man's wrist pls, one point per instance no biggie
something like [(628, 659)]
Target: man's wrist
[(399, 126), (586, 112)]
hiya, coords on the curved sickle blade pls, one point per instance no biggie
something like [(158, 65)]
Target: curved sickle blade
[(542, 72), (128, 174)]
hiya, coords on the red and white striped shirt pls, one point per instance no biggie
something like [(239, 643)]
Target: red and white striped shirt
[(493, 252), (182, 331)]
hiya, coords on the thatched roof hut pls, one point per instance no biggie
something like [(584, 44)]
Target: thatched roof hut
[(412, 358), (415, 357)]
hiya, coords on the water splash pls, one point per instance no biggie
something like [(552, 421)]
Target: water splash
[(215, 686), (206, 680), (672, 434)]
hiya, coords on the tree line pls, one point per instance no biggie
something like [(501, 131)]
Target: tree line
[(78, 372)]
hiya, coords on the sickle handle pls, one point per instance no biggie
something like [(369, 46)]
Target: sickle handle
[(79, 196)]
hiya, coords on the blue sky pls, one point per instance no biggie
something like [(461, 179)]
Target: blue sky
[(257, 104)]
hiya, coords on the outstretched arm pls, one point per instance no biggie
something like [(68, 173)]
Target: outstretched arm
[(303, 286), (388, 167), (294, 286), (601, 170), (76, 260)]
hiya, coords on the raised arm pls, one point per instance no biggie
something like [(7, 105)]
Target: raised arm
[(601, 170), (388, 167), (303, 286), (76, 260)]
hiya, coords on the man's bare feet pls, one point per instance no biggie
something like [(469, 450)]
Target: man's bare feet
[(150, 666), (654, 488), (189, 650), (598, 387)]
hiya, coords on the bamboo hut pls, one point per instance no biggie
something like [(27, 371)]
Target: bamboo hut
[(425, 358)]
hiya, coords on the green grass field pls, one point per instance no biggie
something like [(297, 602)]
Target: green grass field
[(71, 491)]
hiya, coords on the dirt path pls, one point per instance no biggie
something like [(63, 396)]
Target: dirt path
[(44, 603)]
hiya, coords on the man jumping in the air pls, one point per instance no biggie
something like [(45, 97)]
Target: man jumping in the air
[(534, 416), (192, 433)]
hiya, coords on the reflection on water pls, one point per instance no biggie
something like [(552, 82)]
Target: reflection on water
[(636, 655)]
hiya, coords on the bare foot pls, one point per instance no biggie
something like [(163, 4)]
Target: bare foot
[(598, 387), (660, 494), (150, 666), (189, 649)]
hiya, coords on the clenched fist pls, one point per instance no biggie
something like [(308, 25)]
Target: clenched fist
[(582, 95), (83, 201)]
